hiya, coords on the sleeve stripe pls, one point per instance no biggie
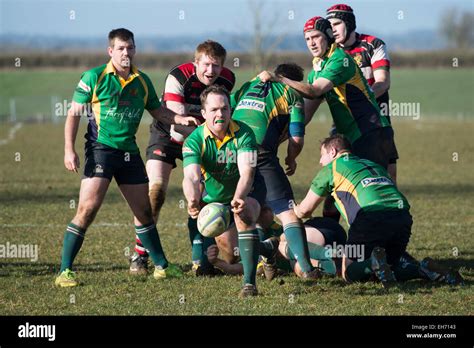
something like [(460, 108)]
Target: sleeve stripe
[(381, 63), (173, 97)]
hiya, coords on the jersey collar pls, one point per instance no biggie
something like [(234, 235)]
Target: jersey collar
[(110, 69), (317, 61), (233, 128)]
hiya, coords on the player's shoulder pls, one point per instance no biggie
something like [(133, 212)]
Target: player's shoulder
[(144, 76), (196, 137), (371, 40), (242, 129), (228, 75), (94, 73), (183, 72)]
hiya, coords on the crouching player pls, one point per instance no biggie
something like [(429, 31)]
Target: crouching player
[(378, 214), (224, 152)]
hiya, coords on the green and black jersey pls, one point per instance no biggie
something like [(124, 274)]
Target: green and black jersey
[(358, 185)]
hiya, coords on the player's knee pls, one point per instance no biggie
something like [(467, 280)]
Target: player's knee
[(157, 194), (266, 216), (86, 214), (251, 212)]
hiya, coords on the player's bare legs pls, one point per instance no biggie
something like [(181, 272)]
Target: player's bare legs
[(137, 198), (228, 243), (159, 173), (91, 196)]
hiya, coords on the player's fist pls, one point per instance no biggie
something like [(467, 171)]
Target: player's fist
[(186, 120), (71, 160), (238, 205), (290, 166), (266, 76), (193, 210)]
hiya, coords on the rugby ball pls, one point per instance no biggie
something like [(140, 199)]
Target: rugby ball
[(213, 220)]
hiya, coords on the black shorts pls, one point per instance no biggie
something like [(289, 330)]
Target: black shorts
[(387, 229), (162, 148), (377, 146), (333, 232), (106, 162), (279, 193)]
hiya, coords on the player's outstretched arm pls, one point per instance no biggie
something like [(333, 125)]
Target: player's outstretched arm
[(192, 175), (71, 159), (310, 107), (308, 205), (168, 116)]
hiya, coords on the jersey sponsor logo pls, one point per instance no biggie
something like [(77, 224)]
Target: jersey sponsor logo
[(160, 153), (125, 115), (376, 181), (187, 151), (249, 104)]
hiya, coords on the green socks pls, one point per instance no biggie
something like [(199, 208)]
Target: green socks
[(296, 238), (73, 238), (249, 251), (150, 239), (320, 253), (199, 243)]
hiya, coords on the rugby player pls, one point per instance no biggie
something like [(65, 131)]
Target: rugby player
[(355, 112), (273, 110), (370, 54), (224, 152), (377, 212), (114, 95), (184, 85)]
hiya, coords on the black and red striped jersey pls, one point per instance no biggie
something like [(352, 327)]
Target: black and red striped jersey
[(370, 53), (183, 86)]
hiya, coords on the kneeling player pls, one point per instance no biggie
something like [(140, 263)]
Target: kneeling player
[(378, 214), (224, 151)]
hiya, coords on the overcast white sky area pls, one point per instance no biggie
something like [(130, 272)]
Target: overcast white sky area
[(88, 18)]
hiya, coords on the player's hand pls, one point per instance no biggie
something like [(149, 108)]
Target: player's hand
[(266, 76), (238, 205), (297, 212), (212, 253), (71, 160), (290, 166), (193, 210), (186, 120)]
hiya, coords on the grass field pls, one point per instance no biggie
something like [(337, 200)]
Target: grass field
[(435, 173)]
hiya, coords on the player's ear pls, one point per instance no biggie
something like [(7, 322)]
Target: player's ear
[(109, 51)]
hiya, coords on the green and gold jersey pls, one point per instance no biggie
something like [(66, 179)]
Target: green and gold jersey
[(116, 105), (352, 102), (270, 109), (358, 185), (218, 159)]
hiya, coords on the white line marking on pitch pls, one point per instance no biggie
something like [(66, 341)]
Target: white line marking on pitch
[(11, 134)]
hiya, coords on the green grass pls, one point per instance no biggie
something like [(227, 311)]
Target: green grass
[(35, 198)]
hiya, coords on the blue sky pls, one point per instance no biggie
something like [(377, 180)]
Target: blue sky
[(166, 18)]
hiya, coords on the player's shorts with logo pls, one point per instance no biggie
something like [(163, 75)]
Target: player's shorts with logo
[(106, 162), (162, 148)]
